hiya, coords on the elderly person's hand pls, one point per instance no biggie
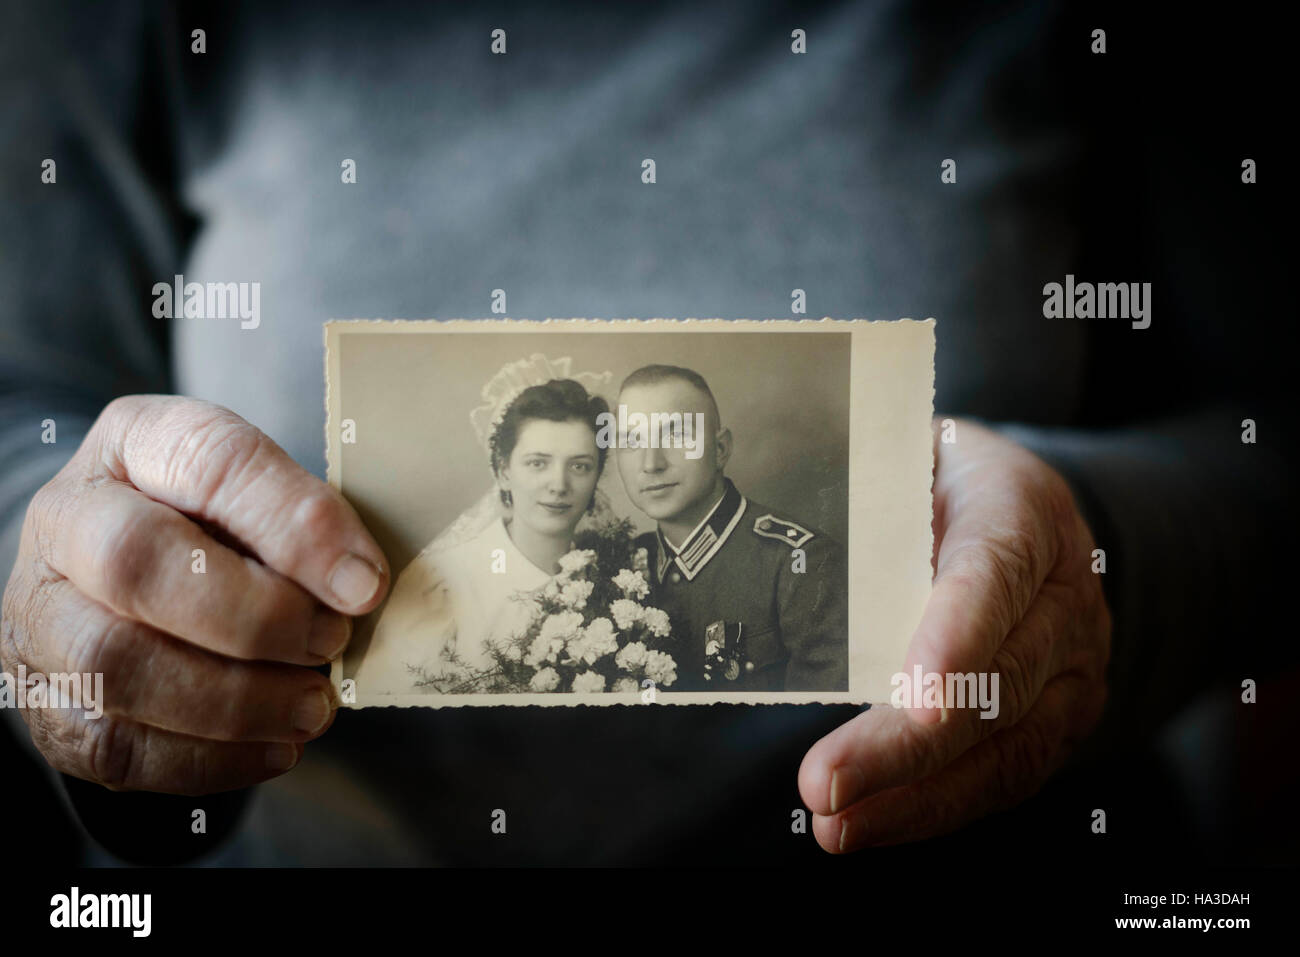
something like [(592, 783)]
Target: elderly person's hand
[(208, 682), (1014, 594)]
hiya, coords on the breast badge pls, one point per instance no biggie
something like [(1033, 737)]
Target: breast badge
[(722, 650)]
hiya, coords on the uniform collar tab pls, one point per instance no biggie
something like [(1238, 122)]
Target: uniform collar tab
[(707, 539)]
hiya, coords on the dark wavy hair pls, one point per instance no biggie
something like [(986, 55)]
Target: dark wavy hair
[(560, 400)]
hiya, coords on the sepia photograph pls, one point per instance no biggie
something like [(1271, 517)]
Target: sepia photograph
[(587, 511)]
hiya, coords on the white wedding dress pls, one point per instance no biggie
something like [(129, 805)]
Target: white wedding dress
[(449, 598)]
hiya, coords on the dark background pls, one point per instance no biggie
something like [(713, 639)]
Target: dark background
[(1166, 117)]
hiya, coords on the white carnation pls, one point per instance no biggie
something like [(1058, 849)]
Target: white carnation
[(625, 685), (574, 594), (631, 656), (626, 613), (657, 621), (556, 630), (543, 649), (589, 682), (641, 561), (633, 584), (660, 668), (563, 625), (599, 639), (548, 679), (575, 561)]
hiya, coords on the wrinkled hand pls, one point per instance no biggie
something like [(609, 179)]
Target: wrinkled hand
[(1014, 594), (207, 681)]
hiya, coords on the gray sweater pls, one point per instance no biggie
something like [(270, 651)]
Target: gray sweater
[(521, 171)]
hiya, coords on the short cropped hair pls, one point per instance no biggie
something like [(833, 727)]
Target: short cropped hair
[(654, 374)]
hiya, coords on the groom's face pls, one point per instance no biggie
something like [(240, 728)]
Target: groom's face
[(666, 483)]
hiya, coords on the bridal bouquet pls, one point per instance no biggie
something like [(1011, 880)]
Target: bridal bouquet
[(589, 631)]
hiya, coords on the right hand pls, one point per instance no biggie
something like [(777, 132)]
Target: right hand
[(208, 682)]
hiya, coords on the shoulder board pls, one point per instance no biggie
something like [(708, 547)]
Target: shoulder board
[(792, 533)]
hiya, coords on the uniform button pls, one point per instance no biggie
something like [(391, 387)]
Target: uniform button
[(675, 578), (749, 666), (764, 525)]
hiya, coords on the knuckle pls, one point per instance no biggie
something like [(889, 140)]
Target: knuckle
[(111, 749), (117, 422), (1013, 686), (1069, 532), (119, 652), (123, 407), (14, 637), (44, 517), (127, 559), (1057, 496), (1014, 553), (25, 602), (42, 501), (214, 450), (1001, 567), (317, 510)]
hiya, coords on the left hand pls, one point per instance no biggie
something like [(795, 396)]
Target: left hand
[(1014, 594)]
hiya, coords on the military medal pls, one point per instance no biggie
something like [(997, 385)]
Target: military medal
[(722, 650)]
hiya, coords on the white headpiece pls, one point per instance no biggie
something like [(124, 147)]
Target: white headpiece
[(499, 392), (514, 377)]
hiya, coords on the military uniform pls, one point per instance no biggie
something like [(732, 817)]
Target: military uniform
[(745, 619)]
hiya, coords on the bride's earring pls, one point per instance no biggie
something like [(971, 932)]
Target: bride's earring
[(507, 499)]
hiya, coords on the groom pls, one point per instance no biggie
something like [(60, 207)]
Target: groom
[(759, 601)]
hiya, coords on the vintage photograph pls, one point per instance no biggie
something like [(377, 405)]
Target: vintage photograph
[(587, 511)]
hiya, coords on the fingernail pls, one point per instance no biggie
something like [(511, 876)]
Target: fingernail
[(354, 580), (850, 833), (312, 712), (329, 633), (847, 785), (281, 757)]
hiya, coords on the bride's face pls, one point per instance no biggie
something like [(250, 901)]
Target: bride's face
[(552, 474)]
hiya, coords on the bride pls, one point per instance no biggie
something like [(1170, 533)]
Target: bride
[(471, 584)]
